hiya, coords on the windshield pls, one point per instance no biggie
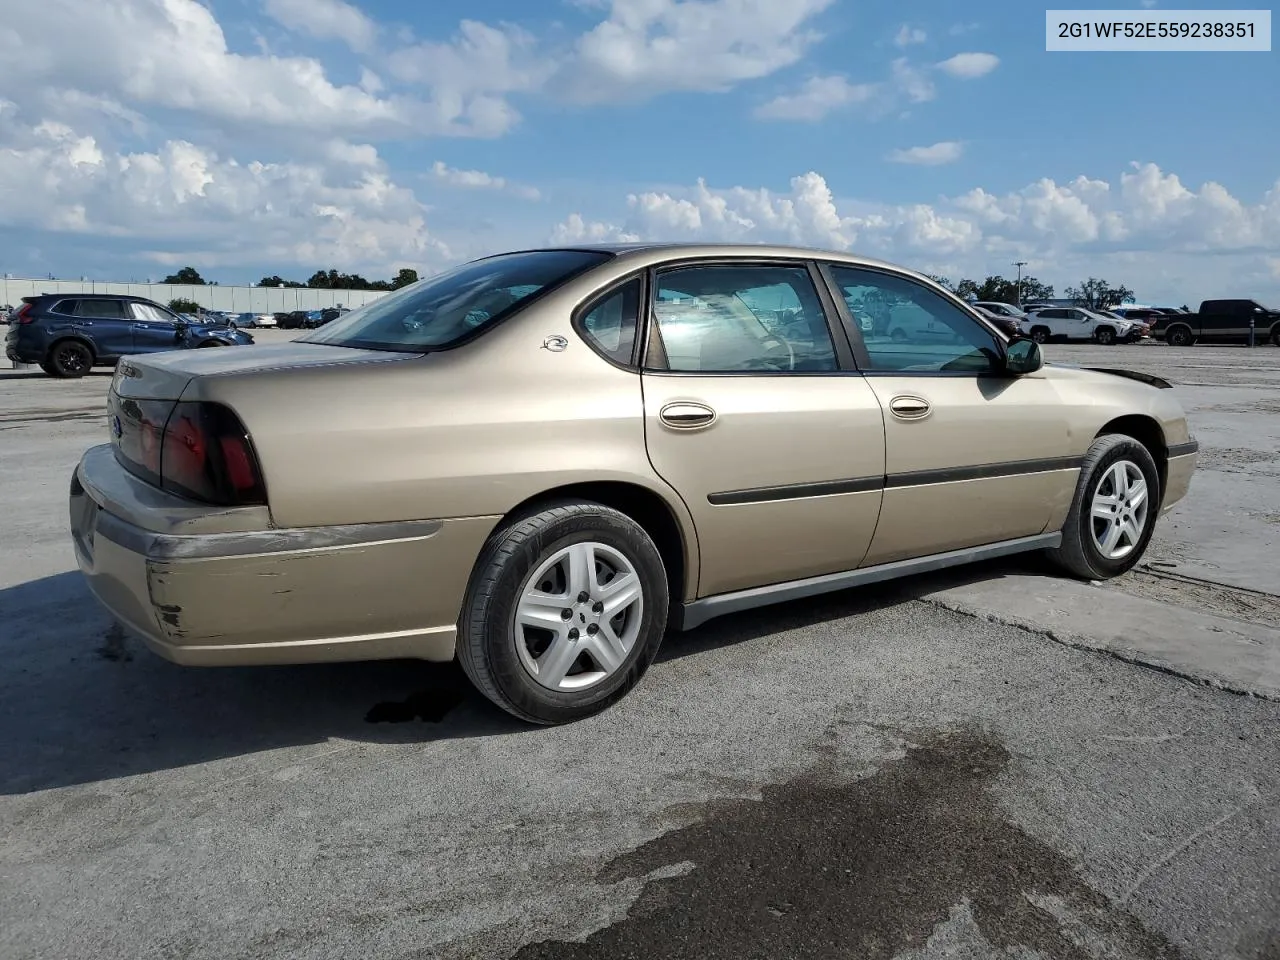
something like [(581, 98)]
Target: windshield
[(441, 310)]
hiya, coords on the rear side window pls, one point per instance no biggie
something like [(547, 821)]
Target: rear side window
[(742, 318), (453, 306), (609, 324), (102, 309), (66, 308)]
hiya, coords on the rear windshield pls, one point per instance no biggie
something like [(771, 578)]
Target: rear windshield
[(444, 309)]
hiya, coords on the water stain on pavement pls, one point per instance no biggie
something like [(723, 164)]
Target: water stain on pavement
[(868, 869)]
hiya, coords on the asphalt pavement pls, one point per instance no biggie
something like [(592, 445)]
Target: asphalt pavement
[(990, 762)]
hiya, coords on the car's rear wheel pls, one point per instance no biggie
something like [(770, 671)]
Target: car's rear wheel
[(70, 359), (565, 611), (1114, 511), (1275, 335), (1180, 336), (1040, 334)]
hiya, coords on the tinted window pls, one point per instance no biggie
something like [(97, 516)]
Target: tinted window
[(610, 325), (102, 309), (914, 329), (726, 319), (65, 307), (442, 310)]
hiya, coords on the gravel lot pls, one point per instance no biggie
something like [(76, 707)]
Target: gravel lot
[(994, 762)]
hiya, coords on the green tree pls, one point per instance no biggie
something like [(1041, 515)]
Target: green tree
[(940, 281), (1095, 294), (180, 305), (185, 275), (968, 289), (406, 276), (1033, 290)]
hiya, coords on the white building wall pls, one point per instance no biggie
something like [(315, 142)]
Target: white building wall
[(231, 299)]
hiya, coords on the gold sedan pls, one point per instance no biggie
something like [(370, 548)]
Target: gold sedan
[(541, 461)]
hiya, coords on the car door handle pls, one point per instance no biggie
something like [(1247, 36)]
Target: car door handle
[(910, 408), (687, 416)]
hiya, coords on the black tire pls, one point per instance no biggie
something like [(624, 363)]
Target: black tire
[(1105, 336), (487, 639), (1079, 555), (47, 367), (1275, 335), (70, 359), (1040, 334), (1179, 335), (211, 343)]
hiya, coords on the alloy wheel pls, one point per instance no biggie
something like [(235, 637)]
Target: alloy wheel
[(71, 360), (578, 616), (1119, 510)]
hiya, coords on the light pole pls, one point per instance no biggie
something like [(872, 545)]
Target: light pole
[(1019, 264)]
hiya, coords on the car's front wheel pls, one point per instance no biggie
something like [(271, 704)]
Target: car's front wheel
[(1105, 336), (1040, 334), (566, 609), (1180, 336), (1114, 511)]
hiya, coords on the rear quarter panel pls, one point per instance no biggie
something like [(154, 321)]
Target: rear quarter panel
[(467, 432)]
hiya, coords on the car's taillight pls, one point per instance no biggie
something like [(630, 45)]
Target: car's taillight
[(24, 314), (207, 455)]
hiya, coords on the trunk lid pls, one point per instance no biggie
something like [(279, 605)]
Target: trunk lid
[(164, 376)]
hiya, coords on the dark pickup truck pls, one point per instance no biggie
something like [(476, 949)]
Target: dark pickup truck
[(1219, 321)]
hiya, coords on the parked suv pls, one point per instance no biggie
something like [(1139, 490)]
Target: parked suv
[(1077, 323), (67, 335)]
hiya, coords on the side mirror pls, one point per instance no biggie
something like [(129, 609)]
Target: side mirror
[(1022, 355)]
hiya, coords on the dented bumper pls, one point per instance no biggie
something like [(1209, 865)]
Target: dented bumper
[(228, 596)]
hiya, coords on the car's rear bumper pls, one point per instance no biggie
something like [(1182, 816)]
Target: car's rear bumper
[(1182, 465), (300, 595)]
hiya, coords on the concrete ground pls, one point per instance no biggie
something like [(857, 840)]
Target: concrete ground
[(992, 762)]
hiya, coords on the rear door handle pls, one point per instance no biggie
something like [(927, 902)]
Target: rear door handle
[(684, 415), (910, 408)]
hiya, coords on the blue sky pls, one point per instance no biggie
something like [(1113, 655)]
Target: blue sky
[(255, 137)]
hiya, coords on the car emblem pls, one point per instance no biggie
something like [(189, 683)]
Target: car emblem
[(555, 343), (117, 428)]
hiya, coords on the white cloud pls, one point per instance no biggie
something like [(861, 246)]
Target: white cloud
[(912, 81), (816, 98), (174, 55), (969, 66), (326, 20), (822, 95), (647, 47), (908, 35), (182, 202), (1145, 229), (576, 230), (947, 151), (479, 180)]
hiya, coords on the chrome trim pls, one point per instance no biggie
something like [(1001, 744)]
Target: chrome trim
[(695, 614)]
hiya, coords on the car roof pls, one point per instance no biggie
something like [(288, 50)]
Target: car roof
[(82, 295), (659, 252)]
